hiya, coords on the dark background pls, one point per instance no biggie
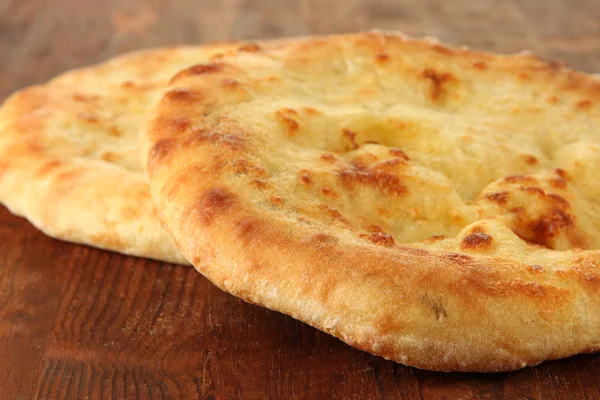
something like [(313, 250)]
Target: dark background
[(80, 322)]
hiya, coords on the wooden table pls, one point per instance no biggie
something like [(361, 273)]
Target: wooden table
[(77, 322)]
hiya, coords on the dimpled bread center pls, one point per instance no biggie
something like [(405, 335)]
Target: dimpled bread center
[(403, 147)]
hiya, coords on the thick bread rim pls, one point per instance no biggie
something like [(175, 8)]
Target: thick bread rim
[(50, 191), (498, 314)]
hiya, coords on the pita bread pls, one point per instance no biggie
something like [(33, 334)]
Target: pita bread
[(432, 205), (69, 156)]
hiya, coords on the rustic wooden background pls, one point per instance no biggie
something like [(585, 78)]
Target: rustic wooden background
[(76, 322)]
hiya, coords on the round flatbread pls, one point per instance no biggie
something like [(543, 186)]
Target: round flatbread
[(69, 155), (433, 205)]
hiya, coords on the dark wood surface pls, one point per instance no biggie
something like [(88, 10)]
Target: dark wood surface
[(77, 322)]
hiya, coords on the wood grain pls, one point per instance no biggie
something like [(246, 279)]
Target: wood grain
[(77, 322)]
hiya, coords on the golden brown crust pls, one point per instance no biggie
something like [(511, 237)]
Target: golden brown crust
[(436, 206), (69, 152)]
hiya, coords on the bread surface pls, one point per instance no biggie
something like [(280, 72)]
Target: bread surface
[(434, 205), (69, 152)]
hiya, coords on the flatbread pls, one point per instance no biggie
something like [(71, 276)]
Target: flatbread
[(432, 205), (69, 155)]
